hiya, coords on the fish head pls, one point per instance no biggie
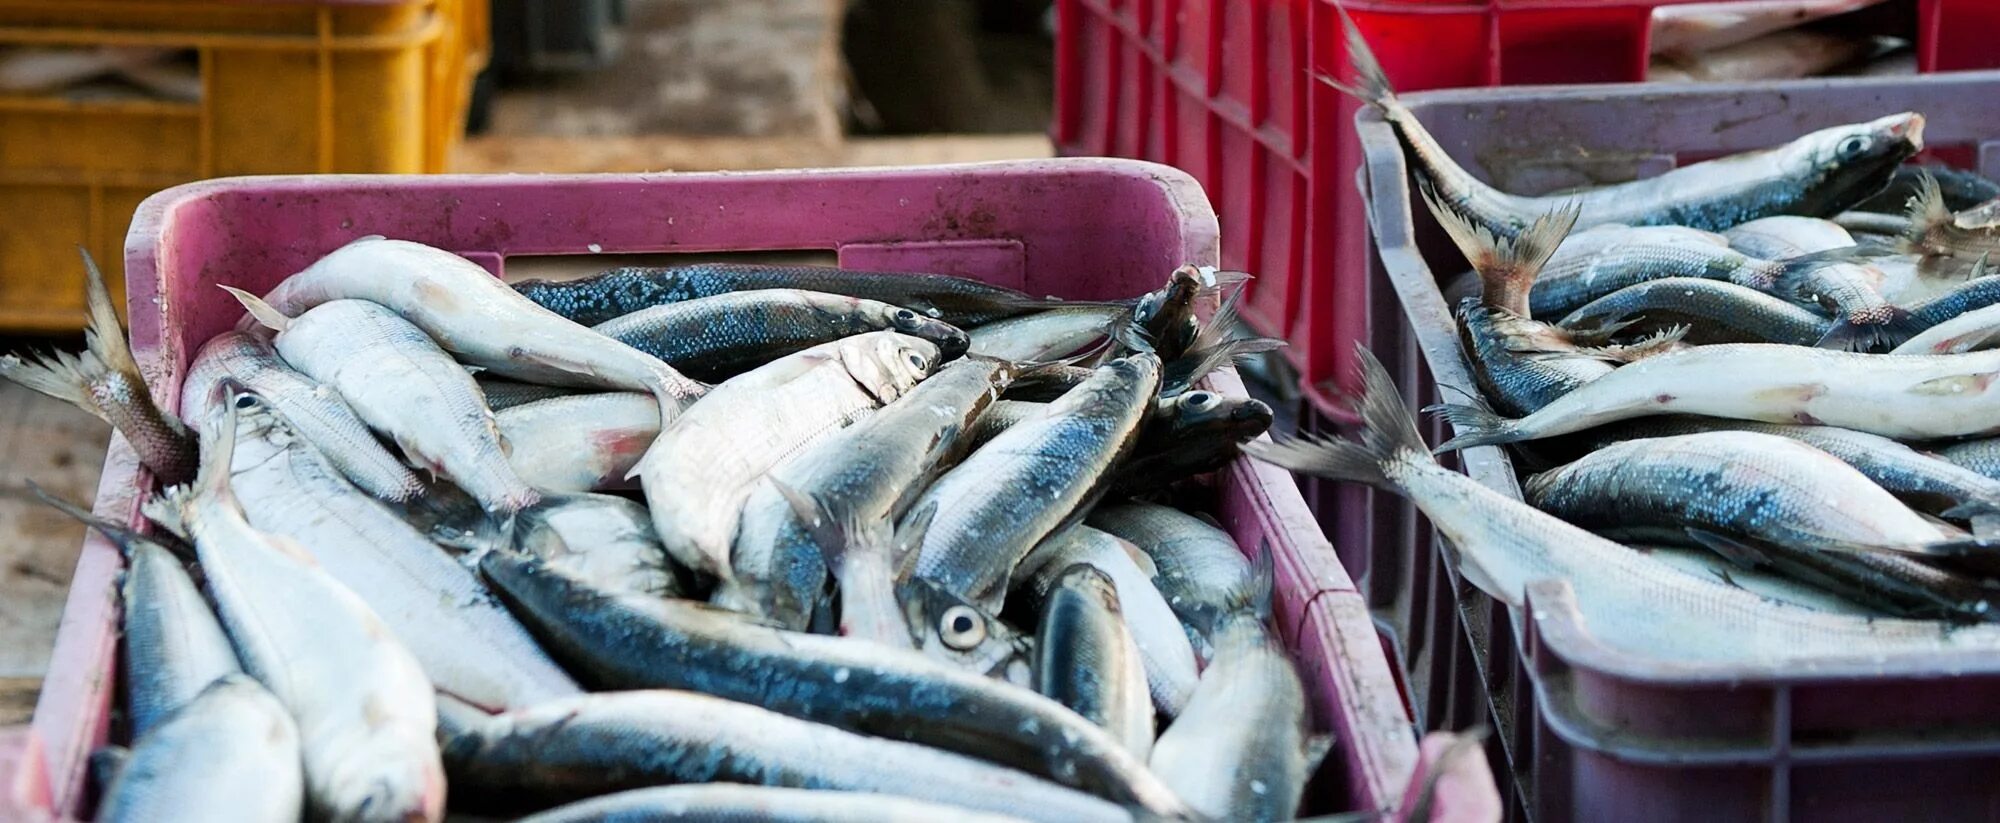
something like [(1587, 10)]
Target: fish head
[(888, 363), (1856, 160), (952, 342), (952, 629), (1203, 414)]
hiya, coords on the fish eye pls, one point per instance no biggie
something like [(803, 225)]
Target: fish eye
[(1200, 400), (916, 360), (905, 316), (1852, 145), (961, 628), (244, 401)]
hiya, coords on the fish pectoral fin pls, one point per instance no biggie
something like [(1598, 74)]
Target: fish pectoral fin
[(1734, 550), (1965, 384), (1478, 576)]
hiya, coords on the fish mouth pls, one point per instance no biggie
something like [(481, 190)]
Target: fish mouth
[(1909, 126)]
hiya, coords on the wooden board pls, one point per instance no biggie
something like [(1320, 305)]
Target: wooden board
[(62, 449), (516, 153)]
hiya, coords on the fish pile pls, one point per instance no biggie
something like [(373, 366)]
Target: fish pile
[(1716, 477), (756, 542)]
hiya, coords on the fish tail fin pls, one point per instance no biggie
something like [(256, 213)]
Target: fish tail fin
[(104, 337), (1507, 267), (164, 509), (1928, 217), (909, 540), (1878, 329), (264, 313), (212, 479), (1213, 348), (1476, 425), (65, 376), (1371, 83), (1388, 434), (1263, 574)]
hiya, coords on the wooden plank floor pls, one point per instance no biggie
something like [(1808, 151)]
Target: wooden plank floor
[(62, 449)]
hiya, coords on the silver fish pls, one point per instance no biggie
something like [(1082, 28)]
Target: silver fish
[(621, 740), (622, 291), (716, 338), (1785, 236), (605, 540), (1715, 311), (1202, 572), (731, 803), (1047, 335), (473, 315), (1164, 648), (230, 754), (1185, 435), (579, 443), (364, 709), (864, 476), (1239, 751), (1086, 658), (629, 641), (1817, 175), (1629, 601), (467, 643), (402, 385), (104, 380), (315, 410), (702, 469), (1772, 383), (173, 647), (1046, 469), (1709, 566), (1971, 331)]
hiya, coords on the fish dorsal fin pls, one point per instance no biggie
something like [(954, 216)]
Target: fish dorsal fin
[(264, 313)]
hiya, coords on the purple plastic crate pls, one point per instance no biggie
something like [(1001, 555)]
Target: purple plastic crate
[(1581, 731), (1075, 228)]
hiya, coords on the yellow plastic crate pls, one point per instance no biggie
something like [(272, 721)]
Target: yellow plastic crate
[(358, 86)]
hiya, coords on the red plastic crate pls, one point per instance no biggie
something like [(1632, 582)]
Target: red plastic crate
[(1076, 228), (1226, 91), (1584, 732)]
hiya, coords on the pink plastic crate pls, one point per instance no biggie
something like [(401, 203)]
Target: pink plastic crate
[(1584, 732), (1226, 89), (1076, 228)]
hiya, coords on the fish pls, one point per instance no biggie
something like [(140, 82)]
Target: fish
[(592, 744), (719, 337), (315, 410), (173, 647), (1763, 496), (1165, 317), (957, 300), (232, 753), (1961, 189), (861, 558), (1086, 658), (1976, 292), (1630, 602), (1714, 311), (1787, 236), (1164, 648), (1048, 335), (1924, 481), (701, 470), (1981, 456), (1216, 344), (604, 540), (1780, 55), (439, 610), (1047, 470), (1202, 573), (955, 630), (580, 442), (1770, 383), (1190, 434), (1934, 229), (1692, 29), (1707, 565), (1819, 174), (502, 394), (104, 380), (364, 709), (479, 320), (1238, 752), (403, 385), (1911, 279), (628, 641), (1970, 331), (736, 802), (865, 476)]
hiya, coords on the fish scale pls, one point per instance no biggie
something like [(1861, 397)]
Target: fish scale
[(173, 646), (1572, 279), (594, 300), (1049, 466), (1722, 312)]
